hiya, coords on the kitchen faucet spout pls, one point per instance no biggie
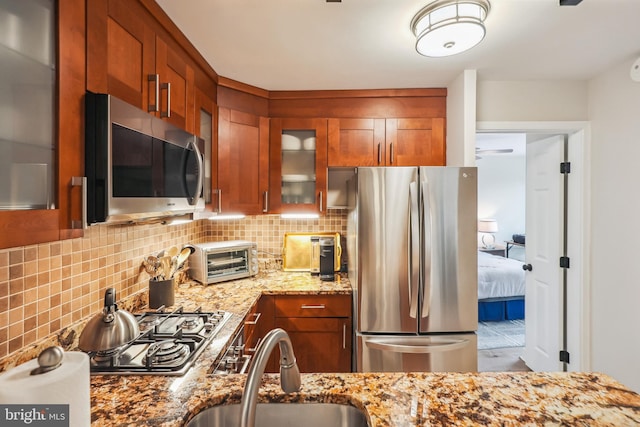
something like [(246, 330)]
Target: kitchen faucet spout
[(289, 373)]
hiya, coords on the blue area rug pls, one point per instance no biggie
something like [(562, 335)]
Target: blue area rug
[(508, 333)]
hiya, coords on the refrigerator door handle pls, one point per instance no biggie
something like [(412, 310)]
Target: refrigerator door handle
[(426, 258), (414, 265), (419, 347)]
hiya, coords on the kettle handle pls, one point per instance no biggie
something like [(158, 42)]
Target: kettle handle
[(110, 300)]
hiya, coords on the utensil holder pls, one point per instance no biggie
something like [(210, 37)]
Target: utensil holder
[(161, 292)]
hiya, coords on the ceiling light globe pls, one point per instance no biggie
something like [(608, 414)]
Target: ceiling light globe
[(449, 27), (450, 39)]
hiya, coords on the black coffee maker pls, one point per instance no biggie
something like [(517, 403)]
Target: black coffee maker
[(327, 258)]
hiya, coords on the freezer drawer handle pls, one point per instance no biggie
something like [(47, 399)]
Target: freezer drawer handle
[(422, 348)]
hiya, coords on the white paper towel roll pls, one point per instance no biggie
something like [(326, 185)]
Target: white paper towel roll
[(67, 384)]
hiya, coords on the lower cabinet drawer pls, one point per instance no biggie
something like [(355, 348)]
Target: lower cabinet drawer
[(313, 306)]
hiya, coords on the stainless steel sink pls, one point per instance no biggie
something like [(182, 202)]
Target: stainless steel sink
[(284, 415)]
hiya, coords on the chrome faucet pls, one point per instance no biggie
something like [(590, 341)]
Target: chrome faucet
[(289, 373)]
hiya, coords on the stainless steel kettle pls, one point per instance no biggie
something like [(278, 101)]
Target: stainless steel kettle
[(110, 329)]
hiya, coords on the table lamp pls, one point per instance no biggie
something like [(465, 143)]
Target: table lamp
[(487, 227)]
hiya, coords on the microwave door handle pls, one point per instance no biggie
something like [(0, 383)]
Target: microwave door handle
[(194, 200), (414, 241)]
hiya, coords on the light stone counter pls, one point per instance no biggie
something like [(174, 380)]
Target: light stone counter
[(388, 399)]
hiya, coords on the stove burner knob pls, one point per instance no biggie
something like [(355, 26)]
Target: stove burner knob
[(237, 351), (208, 327), (230, 364)]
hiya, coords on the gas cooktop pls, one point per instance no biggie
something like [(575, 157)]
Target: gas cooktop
[(168, 344)]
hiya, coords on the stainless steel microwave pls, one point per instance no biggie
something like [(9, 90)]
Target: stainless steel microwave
[(220, 261), (138, 166)]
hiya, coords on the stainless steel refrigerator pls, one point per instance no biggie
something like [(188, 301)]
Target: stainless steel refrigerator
[(412, 249)]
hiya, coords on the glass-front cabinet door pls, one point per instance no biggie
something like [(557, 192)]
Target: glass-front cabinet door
[(27, 98), (298, 159), (42, 87)]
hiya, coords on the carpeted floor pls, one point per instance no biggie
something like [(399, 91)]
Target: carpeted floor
[(508, 333)]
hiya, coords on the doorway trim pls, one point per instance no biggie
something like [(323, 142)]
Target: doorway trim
[(578, 227)]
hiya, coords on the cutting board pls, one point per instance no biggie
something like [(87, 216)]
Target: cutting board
[(296, 250)]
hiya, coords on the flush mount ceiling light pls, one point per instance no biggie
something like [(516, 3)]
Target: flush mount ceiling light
[(448, 27)]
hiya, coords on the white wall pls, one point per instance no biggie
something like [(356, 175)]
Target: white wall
[(531, 101), (614, 112), (461, 120), (501, 193), (611, 104)]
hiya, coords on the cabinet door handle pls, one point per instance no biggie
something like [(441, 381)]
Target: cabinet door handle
[(254, 321), (80, 181), (318, 306), (266, 202), (344, 336), (167, 113), (219, 200), (156, 106), (379, 153), (391, 149), (253, 349), (321, 207)]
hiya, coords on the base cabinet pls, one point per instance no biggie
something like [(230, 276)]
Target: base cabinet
[(257, 323), (320, 330), (320, 344)]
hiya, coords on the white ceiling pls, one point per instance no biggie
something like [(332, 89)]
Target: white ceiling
[(367, 44)]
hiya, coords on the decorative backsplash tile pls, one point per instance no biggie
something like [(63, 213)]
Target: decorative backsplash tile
[(50, 286)]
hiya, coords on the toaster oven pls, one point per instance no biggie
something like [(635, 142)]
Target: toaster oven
[(220, 261)]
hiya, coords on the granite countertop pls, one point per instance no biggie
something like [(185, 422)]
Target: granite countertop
[(388, 399)]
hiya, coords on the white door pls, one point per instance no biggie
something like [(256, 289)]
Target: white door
[(544, 225)]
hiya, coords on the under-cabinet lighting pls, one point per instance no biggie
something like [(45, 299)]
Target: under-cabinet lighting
[(182, 219), (300, 216), (224, 217)]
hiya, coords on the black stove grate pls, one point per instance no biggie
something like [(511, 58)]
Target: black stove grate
[(169, 343)]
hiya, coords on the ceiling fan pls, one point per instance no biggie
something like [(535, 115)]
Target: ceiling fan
[(492, 151)]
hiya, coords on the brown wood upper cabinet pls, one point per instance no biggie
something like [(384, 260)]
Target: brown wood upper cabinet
[(23, 227), (386, 142), (298, 161), (206, 120), (243, 163), (127, 59)]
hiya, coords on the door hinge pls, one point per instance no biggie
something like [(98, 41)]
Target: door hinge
[(564, 356), (564, 262), (565, 167)]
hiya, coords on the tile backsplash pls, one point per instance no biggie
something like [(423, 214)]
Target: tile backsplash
[(47, 287)]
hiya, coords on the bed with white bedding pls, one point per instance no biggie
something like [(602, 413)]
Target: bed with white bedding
[(501, 285)]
